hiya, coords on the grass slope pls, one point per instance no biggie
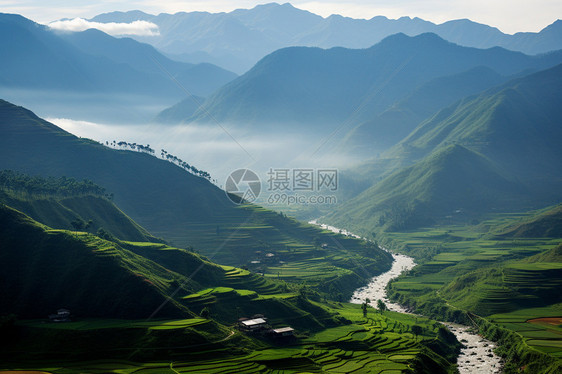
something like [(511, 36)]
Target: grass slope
[(48, 269), (528, 283), (509, 285), (376, 344), (546, 223), (394, 124), (453, 181), (184, 209), (44, 270), (61, 213), (515, 127), (112, 287)]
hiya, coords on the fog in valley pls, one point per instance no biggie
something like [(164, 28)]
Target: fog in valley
[(219, 149)]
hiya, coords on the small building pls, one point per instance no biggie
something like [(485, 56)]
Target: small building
[(251, 325), (283, 332), (62, 315)]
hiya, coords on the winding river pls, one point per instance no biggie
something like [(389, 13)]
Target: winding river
[(477, 356)]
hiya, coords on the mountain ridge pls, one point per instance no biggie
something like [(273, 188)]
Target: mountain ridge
[(343, 88), (94, 62), (514, 126), (308, 29)]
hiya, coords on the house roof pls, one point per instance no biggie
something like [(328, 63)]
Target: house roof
[(283, 329), (253, 322)]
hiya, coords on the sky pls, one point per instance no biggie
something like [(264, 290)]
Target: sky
[(509, 16)]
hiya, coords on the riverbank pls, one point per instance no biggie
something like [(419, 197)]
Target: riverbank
[(477, 356)]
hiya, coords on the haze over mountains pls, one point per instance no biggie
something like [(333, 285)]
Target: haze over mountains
[(171, 203), (237, 40), (442, 142), (94, 65), (495, 151), (364, 101), (371, 98)]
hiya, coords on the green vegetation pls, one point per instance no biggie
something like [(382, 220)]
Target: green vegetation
[(50, 187), (186, 210), (543, 224), (401, 118), (378, 344), (118, 292), (451, 182), (494, 152), (65, 203), (44, 270), (509, 286)]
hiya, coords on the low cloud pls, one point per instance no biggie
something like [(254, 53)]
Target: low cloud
[(138, 28)]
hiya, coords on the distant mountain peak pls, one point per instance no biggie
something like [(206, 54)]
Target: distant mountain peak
[(274, 5), (554, 26), (118, 16), (401, 38)]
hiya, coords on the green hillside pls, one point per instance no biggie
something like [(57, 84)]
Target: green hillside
[(530, 283), (511, 160), (68, 204), (544, 224), (394, 124), (451, 183), (189, 211), (515, 125), (44, 270), (507, 286), (379, 343), (118, 294), (47, 269)]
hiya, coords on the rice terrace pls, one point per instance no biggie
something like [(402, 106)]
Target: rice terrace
[(307, 187)]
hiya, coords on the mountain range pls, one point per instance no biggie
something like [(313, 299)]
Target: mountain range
[(496, 151), (170, 203), (371, 98), (238, 39), (95, 65)]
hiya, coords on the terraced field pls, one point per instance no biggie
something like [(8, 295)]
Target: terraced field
[(96, 324), (378, 344), (543, 333), (297, 251), (514, 282)]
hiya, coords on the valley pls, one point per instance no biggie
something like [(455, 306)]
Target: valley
[(163, 177), (476, 354), (330, 334)]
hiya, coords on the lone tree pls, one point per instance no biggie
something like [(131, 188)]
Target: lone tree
[(381, 305), (205, 313), (416, 330), (364, 307)]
